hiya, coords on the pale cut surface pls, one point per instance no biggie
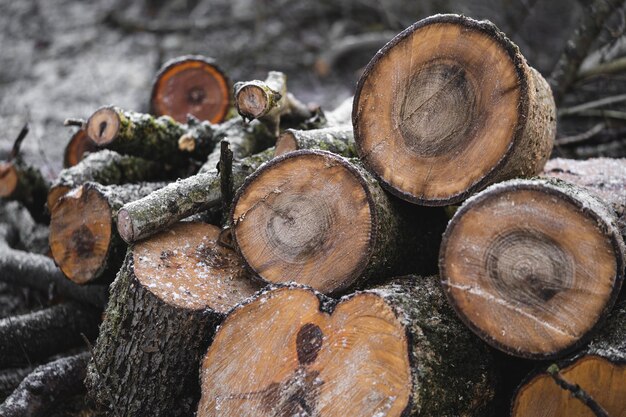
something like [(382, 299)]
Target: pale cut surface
[(438, 111), (186, 267), (281, 356), (191, 87), (529, 270), (252, 101), (305, 218), (601, 379), (80, 233), (8, 179), (103, 126)]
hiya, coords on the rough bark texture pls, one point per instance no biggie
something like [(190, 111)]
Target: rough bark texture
[(107, 168), (10, 379), (88, 215), (339, 140), (495, 130), (452, 371), (31, 236), (30, 188), (398, 239), (39, 272), (146, 357), (35, 336), (46, 387)]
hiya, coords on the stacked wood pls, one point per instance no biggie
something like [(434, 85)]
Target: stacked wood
[(191, 85), (589, 384), (394, 350), (104, 167), (169, 296), (321, 220), (463, 112), (22, 232), (77, 148), (533, 266), (83, 233)]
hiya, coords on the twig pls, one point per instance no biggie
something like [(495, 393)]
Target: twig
[(608, 114), (577, 47), (577, 392), (581, 137), (592, 105), (18, 142), (612, 67), (226, 178), (74, 122)]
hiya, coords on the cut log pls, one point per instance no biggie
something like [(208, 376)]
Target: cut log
[(315, 218), (78, 147), (104, 167), (10, 379), (448, 107), (585, 385), (46, 387), (193, 85), (30, 235), (31, 337), (23, 183), (83, 233), (39, 272), (336, 140), (397, 350), (533, 266), (269, 101), (169, 296)]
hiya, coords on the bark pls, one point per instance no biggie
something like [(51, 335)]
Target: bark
[(339, 140), (39, 272), (31, 337), (10, 379), (394, 350), (191, 84), (291, 222), (83, 233), (107, 168), (432, 131), (23, 183), (161, 319), (577, 47), (30, 236), (520, 259), (46, 387)]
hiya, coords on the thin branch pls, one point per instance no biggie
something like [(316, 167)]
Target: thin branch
[(612, 67), (568, 140), (17, 144), (607, 114), (577, 392), (592, 105)]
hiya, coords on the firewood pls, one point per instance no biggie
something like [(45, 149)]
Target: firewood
[(29, 235), (585, 385), (41, 334), (39, 272), (104, 167), (22, 182), (315, 218), (78, 147), (396, 350), (169, 296), (448, 107), (46, 387), (10, 379), (533, 266), (191, 84), (269, 101), (83, 233), (339, 140)]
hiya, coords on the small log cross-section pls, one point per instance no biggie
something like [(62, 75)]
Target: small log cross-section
[(191, 85), (317, 219), (448, 107), (594, 379), (165, 303), (533, 266), (83, 233), (104, 167), (77, 148), (392, 351)]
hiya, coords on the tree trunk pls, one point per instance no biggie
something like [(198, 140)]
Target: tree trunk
[(395, 350), (46, 387), (448, 107), (77, 148), (590, 382), (35, 336), (533, 266), (169, 296), (83, 234), (317, 219), (191, 84), (25, 184), (104, 167)]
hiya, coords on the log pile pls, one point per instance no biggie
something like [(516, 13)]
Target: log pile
[(291, 261)]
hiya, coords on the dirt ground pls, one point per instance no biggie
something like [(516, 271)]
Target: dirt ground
[(65, 58)]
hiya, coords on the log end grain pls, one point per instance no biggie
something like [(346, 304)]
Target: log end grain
[(104, 125), (440, 111), (77, 147), (9, 179), (191, 85), (532, 266)]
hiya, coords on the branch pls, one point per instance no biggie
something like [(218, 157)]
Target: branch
[(226, 178), (577, 392), (18, 142)]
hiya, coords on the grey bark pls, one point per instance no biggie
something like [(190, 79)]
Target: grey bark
[(31, 236), (10, 379)]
